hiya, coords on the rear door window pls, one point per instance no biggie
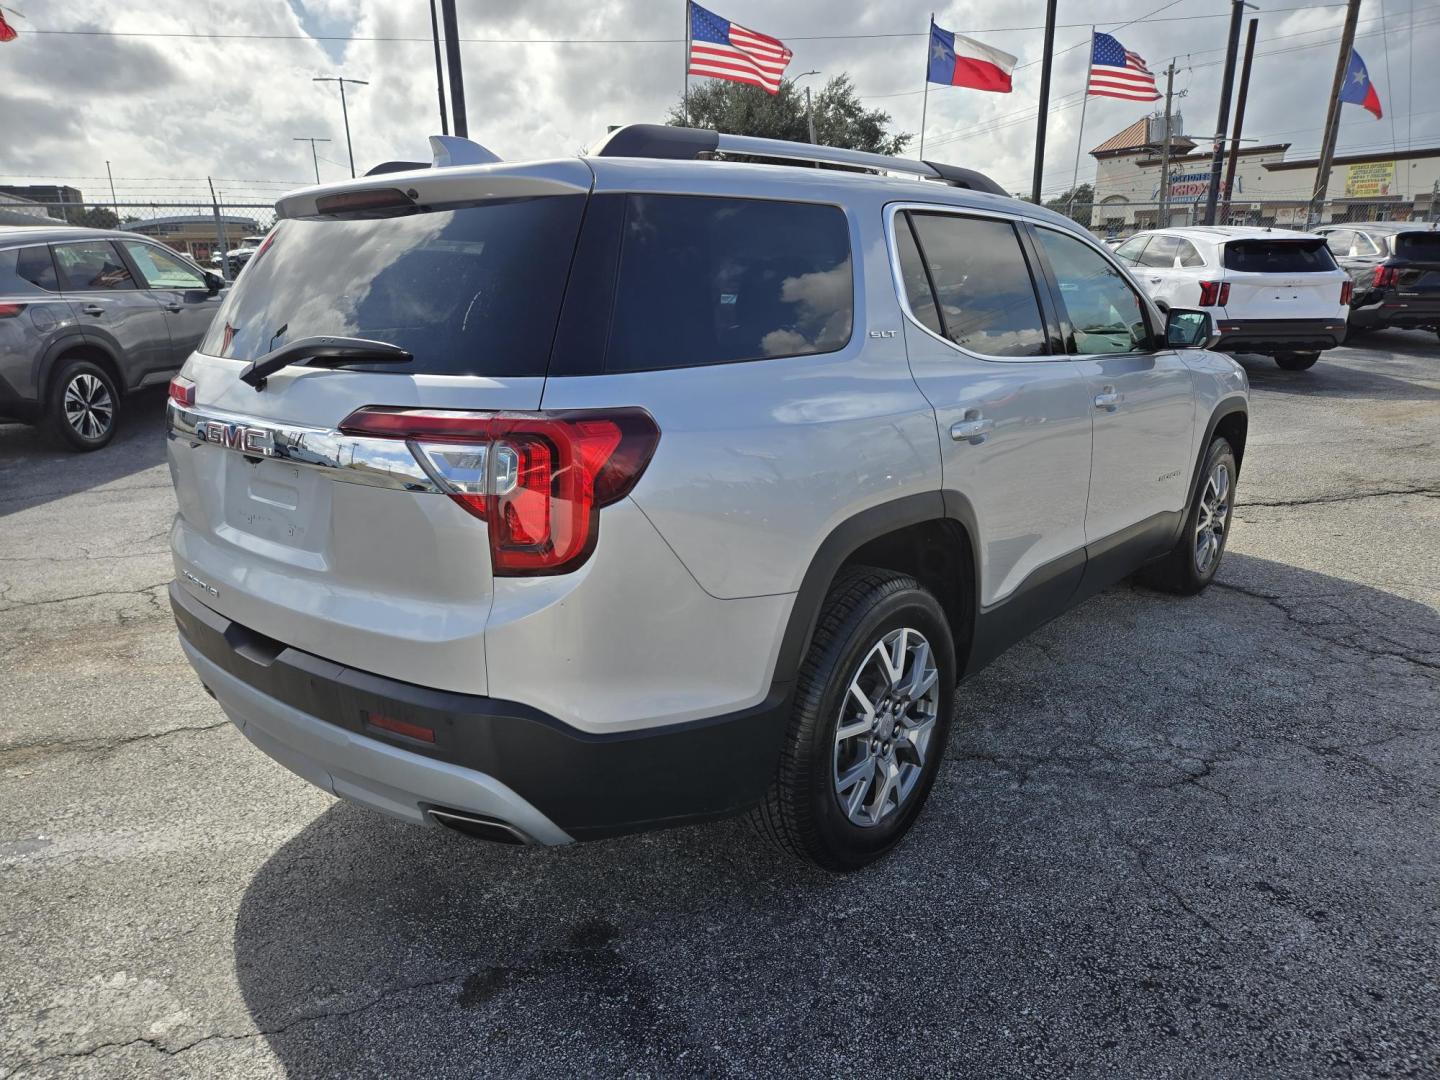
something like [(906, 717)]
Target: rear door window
[(1278, 256), (93, 266), (469, 291), (1161, 252), (705, 280), (983, 284), (1129, 251)]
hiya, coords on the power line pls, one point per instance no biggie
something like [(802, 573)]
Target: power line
[(428, 40)]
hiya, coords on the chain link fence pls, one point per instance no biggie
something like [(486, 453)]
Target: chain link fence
[(200, 230), (1118, 219)]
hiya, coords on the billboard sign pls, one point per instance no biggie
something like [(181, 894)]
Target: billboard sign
[(1370, 180)]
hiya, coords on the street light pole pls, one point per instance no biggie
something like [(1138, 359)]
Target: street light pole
[(809, 112), (314, 156), (344, 110)]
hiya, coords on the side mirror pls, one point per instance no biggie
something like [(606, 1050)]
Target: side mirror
[(1190, 329), (214, 282)]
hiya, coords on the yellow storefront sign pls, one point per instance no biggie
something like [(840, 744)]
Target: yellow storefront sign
[(1369, 179)]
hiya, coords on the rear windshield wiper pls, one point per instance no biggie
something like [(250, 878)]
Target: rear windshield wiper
[(325, 350)]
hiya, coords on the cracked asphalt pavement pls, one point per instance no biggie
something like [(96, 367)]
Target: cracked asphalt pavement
[(1171, 838)]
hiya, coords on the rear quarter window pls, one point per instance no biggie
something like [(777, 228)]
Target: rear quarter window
[(28, 270), (708, 280), (1279, 256), (474, 290)]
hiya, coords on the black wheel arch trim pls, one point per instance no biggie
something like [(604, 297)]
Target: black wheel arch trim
[(1228, 407), (79, 339)]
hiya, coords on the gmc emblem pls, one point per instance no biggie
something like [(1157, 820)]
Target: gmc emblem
[(247, 440)]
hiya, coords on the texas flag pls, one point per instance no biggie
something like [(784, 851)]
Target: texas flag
[(1358, 89), (956, 60)]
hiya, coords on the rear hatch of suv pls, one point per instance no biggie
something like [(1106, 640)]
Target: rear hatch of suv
[(342, 542), (1281, 278), (1416, 261)]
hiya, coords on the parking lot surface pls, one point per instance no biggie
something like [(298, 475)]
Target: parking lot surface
[(1171, 838)]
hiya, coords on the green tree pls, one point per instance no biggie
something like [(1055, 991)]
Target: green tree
[(740, 109), (1076, 202), (97, 217)]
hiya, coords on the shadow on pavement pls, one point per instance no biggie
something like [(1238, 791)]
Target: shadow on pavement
[(33, 471), (1170, 837), (1359, 377)]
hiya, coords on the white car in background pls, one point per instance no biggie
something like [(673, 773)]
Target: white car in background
[(1270, 291)]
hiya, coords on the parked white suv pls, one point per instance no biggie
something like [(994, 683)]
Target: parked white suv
[(1269, 291), (562, 499)]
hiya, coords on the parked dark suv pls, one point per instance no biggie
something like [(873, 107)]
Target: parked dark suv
[(87, 316), (1396, 269)]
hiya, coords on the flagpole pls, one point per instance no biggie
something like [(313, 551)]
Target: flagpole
[(925, 101), (686, 59), (1080, 138)]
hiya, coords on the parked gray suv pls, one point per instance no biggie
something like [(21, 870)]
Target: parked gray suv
[(563, 499), (86, 317)]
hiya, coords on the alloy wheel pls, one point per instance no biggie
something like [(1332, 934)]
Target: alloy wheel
[(89, 408), (886, 722), (1213, 518)]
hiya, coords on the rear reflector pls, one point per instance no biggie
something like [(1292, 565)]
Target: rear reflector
[(537, 479), (182, 391), (1347, 290), (399, 727)]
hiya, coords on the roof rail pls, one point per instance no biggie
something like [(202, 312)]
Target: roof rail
[(664, 141)]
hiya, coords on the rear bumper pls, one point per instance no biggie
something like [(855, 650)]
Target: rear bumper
[(1279, 335), (1390, 309), (496, 759), (15, 407)]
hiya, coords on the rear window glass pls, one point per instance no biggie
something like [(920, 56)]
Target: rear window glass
[(470, 291), (23, 270), (1278, 256), (706, 280), (1418, 245)]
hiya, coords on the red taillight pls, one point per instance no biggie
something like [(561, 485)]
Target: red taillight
[(1347, 290), (1386, 276), (9, 311), (182, 391), (537, 479), (1214, 293)]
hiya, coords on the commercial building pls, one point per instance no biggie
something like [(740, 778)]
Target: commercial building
[(195, 234), (1270, 188), (52, 195)]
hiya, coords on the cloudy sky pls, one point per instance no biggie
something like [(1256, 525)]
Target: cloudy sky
[(177, 92)]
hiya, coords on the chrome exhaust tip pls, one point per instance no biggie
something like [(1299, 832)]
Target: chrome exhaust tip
[(482, 828)]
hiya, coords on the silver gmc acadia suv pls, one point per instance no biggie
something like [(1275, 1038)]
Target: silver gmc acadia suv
[(557, 500)]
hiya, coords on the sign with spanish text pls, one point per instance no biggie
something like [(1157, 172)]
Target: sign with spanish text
[(1370, 180)]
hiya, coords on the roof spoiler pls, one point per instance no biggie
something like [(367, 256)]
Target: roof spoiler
[(664, 141)]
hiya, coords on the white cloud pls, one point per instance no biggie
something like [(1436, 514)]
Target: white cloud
[(191, 107)]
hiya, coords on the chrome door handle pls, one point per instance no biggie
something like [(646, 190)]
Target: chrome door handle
[(1108, 399), (1156, 280), (93, 309), (974, 429), (173, 308)]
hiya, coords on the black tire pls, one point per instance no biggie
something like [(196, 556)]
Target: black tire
[(801, 812), (1180, 571), (1297, 361), (84, 406)]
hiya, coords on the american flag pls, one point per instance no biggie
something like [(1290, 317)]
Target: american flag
[(726, 50), (1117, 72)]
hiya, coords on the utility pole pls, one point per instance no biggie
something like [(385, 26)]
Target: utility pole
[(219, 232), (1049, 56), (1240, 115), (439, 71), (1222, 124), (1164, 221), (344, 110), (457, 75), (314, 156), (114, 202), (1332, 117)]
